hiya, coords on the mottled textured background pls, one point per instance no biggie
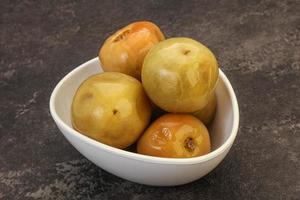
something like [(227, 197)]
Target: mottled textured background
[(257, 44)]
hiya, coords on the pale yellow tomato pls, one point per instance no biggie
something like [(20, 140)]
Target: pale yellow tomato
[(111, 108), (179, 75), (207, 113)]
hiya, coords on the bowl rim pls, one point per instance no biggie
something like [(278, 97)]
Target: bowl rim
[(145, 158)]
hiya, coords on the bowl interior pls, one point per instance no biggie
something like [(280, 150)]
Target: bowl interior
[(220, 129)]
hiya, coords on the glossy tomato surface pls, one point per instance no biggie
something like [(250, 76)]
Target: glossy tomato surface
[(175, 136), (125, 50), (206, 114), (180, 74), (111, 108)]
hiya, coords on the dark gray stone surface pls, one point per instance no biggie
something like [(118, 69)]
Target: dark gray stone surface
[(256, 42)]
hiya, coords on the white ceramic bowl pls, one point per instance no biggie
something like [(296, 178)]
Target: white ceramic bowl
[(140, 168)]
